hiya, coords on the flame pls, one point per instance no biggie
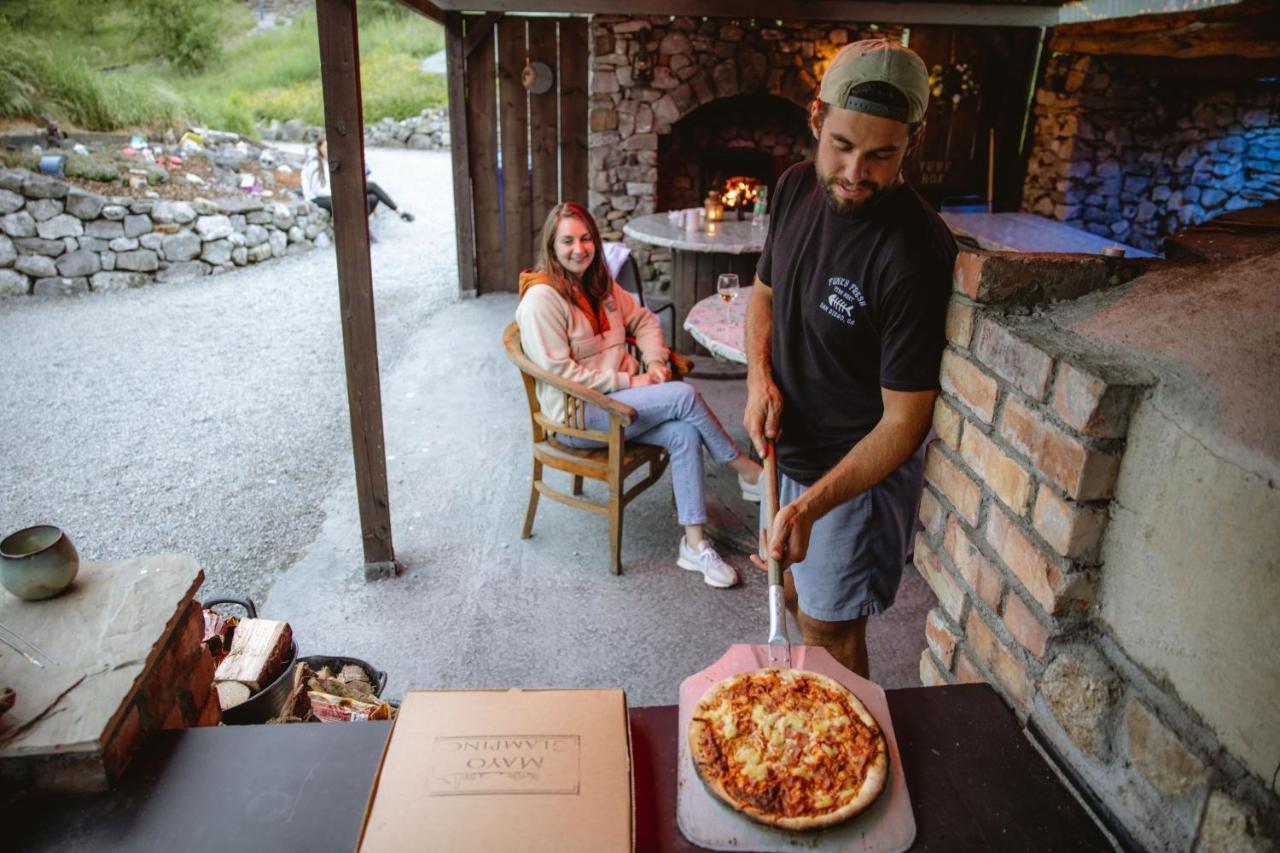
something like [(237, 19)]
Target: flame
[(740, 190)]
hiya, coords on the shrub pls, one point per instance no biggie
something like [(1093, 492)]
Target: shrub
[(187, 33)]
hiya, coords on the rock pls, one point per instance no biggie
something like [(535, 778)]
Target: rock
[(10, 201), (1159, 755), (59, 286), (115, 212), (139, 260), (40, 246), (281, 216), (152, 241), (421, 142), (123, 244), (79, 263), (84, 205), (162, 212), (260, 252), (1212, 198), (204, 207), (8, 252), (183, 271), (1081, 689), (279, 243), (214, 227), (105, 229), (258, 217), (183, 212), (137, 225), (119, 280), (1232, 825), (240, 256), (323, 241), (293, 130), (11, 179), (675, 43), (13, 283), (108, 260), (255, 235), (44, 209), (62, 225), (36, 266), (183, 246), (217, 252), (295, 234), (43, 186)]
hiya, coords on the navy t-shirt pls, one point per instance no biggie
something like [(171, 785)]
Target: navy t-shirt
[(859, 304)]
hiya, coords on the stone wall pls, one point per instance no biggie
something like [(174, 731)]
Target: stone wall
[(1136, 158), (693, 62), (427, 131), (56, 237), (1032, 426)]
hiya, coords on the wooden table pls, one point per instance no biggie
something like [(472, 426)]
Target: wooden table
[(976, 783), (721, 326), (698, 257)]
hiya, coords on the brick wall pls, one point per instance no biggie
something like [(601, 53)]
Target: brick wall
[(1030, 427)]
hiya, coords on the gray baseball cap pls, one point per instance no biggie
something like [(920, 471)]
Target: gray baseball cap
[(877, 60)]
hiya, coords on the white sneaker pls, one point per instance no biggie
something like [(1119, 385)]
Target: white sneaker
[(751, 491), (715, 571)]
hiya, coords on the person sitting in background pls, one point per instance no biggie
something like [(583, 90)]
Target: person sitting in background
[(574, 321), (315, 184)]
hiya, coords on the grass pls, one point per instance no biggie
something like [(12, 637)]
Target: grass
[(87, 66)]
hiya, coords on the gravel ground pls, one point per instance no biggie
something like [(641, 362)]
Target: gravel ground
[(209, 417)]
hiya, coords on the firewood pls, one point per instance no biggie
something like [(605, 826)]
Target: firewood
[(231, 693), (259, 652)]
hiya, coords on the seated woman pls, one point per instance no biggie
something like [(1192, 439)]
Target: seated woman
[(574, 321), (315, 183)]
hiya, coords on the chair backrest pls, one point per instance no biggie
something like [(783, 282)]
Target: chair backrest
[(515, 352), (624, 269)]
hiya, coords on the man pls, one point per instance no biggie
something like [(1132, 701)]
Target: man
[(844, 339)]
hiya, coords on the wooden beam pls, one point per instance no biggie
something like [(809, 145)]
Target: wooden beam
[(464, 225), (427, 8), (1210, 71), (882, 11), (1193, 41), (344, 129), (478, 29)]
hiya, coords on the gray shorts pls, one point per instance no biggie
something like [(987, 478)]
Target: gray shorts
[(856, 551)]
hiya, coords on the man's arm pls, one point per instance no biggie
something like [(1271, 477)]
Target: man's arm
[(904, 424), (764, 401)]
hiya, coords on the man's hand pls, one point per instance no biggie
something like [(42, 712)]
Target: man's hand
[(659, 372), (788, 541), (763, 413)]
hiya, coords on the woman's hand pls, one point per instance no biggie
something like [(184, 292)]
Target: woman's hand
[(659, 372), (640, 380)]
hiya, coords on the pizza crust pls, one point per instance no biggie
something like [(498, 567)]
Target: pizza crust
[(705, 750)]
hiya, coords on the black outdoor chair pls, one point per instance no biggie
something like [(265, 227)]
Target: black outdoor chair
[(629, 278)]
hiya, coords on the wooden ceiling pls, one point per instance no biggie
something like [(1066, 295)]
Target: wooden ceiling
[(1028, 13)]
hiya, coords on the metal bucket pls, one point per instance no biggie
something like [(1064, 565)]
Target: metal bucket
[(268, 701), (377, 677)]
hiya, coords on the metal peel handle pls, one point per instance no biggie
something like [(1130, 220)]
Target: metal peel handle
[(779, 643)]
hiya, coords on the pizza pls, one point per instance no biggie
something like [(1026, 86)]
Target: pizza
[(791, 749)]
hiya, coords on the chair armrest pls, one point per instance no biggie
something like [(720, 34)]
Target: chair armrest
[(614, 408)]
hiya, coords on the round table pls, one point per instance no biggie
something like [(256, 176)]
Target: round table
[(698, 257), (721, 326)]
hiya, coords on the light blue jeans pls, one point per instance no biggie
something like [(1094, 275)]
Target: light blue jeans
[(672, 415)]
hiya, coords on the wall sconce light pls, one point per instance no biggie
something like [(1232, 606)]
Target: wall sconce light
[(642, 66)]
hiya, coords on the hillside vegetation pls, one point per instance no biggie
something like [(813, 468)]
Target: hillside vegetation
[(154, 64)]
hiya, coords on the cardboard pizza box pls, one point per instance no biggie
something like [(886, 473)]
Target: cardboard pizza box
[(484, 770)]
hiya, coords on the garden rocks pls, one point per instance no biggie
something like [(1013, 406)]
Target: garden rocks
[(64, 240)]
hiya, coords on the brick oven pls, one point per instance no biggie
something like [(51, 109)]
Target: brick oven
[(1101, 524)]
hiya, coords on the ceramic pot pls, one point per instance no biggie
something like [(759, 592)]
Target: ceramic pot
[(38, 562)]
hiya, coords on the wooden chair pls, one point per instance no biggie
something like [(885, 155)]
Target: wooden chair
[(611, 465)]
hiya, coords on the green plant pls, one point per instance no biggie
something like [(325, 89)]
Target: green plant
[(186, 32), (92, 169)]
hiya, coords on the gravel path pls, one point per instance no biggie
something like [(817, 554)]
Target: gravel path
[(209, 417)]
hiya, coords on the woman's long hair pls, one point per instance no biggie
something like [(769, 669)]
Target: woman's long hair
[(595, 280), (323, 171)]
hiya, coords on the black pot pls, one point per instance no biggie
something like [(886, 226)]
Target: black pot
[(377, 677), (268, 701)]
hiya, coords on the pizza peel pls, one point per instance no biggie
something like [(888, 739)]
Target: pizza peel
[(779, 643), (887, 826)]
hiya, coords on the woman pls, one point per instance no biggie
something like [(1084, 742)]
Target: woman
[(315, 183), (574, 321)]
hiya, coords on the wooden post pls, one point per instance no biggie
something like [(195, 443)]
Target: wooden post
[(344, 129), (456, 63)]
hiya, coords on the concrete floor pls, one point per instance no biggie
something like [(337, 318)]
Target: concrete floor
[(480, 608)]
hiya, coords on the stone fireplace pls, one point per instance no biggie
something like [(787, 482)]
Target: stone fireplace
[(667, 91)]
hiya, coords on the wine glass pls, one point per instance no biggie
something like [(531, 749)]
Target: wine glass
[(727, 288)]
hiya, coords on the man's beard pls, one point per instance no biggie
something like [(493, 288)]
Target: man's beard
[(850, 207)]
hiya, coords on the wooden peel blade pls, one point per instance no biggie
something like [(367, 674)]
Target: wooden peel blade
[(779, 644)]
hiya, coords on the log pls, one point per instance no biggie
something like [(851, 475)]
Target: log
[(231, 693), (260, 650)]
